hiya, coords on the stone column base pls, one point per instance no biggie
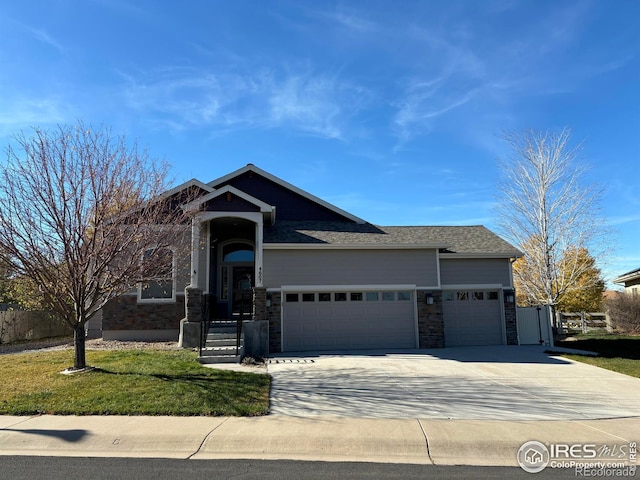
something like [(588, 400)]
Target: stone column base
[(189, 334)]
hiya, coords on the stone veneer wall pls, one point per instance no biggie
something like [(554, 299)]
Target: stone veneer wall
[(430, 320), (194, 300), (510, 320), (125, 313), (270, 313)]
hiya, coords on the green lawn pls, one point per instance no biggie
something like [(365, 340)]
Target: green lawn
[(128, 382), (620, 353)]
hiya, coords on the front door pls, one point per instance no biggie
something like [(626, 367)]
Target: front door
[(242, 276), (235, 268)]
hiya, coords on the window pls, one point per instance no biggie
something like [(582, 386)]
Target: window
[(478, 295), (372, 296), (224, 289), (308, 297), (356, 296), (237, 252), (157, 265), (448, 296), (324, 297), (340, 297), (493, 295), (404, 296), (388, 296), (462, 296), (291, 297)]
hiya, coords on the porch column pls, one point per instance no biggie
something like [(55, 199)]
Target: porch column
[(258, 253), (191, 325), (195, 250)]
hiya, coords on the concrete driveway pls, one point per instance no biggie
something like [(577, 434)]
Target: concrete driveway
[(501, 383)]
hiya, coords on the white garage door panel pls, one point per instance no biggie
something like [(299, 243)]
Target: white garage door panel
[(335, 325), (468, 321)]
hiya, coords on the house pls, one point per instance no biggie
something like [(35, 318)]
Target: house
[(323, 278), (630, 280)]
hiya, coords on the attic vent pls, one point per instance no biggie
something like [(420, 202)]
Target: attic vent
[(229, 196)]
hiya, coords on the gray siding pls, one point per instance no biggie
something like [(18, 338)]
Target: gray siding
[(183, 261), (349, 267), (475, 270)]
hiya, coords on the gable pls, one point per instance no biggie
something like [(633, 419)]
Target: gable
[(229, 203), (230, 199), (291, 202)]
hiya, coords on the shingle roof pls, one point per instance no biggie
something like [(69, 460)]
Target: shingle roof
[(463, 240), (625, 277)]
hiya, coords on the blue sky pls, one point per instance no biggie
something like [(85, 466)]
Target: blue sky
[(391, 110)]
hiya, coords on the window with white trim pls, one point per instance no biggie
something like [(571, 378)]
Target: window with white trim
[(161, 288)]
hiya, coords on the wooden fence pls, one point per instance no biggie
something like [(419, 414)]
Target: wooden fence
[(583, 322), (16, 325)]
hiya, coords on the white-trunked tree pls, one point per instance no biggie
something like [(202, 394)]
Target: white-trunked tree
[(552, 214)]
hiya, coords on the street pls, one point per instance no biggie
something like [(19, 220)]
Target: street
[(73, 468)]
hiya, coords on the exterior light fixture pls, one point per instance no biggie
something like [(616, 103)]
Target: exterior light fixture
[(510, 298), (428, 298)]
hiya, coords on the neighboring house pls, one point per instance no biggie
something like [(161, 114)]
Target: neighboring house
[(324, 278), (630, 280)]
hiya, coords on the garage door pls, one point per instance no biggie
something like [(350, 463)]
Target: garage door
[(344, 319), (472, 317)]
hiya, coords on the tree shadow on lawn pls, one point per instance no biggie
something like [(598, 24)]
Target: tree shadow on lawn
[(628, 348), (224, 393)]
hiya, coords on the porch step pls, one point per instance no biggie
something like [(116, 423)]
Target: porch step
[(222, 331), (222, 337), (221, 354), (220, 359), (222, 350), (217, 327)]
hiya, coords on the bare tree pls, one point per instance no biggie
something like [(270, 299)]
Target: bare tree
[(83, 215), (546, 209), (624, 310)]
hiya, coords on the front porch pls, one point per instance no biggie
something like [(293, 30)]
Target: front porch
[(226, 267)]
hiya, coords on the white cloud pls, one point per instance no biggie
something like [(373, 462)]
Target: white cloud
[(620, 220), (351, 19), (315, 104), (473, 77), (19, 113)]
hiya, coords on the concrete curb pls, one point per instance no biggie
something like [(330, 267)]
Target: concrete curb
[(323, 438), (496, 442), (415, 441)]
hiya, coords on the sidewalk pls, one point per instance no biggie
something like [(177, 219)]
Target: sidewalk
[(439, 442)]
